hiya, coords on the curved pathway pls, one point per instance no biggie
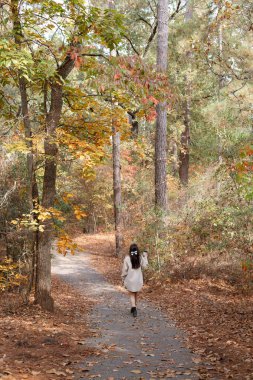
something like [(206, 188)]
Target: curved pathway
[(147, 347)]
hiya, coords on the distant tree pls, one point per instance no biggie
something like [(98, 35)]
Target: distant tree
[(184, 154), (161, 121), (117, 199)]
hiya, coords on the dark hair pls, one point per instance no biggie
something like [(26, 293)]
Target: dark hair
[(134, 254)]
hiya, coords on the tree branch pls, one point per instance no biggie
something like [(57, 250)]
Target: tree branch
[(66, 67), (152, 9), (132, 45), (94, 55), (153, 33), (4, 199), (144, 20), (151, 37), (177, 10)]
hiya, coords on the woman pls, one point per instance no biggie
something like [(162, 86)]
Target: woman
[(132, 276)]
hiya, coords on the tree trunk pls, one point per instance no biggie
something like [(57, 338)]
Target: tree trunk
[(116, 177), (134, 124), (221, 82), (184, 154), (33, 194), (174, 151), (161, 122), (43, 278), (117, 190), (18, 38)]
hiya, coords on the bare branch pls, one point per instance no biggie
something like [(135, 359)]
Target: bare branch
[(132, 45), (151, 37), (4, 199), (94, 55), (49, 48), (177, 10), (144, 20), (152, 9), (153, 33)]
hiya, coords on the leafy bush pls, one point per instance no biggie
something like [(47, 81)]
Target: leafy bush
[(10, 275)]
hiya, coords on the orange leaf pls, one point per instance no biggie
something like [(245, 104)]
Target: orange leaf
[(117, 76)]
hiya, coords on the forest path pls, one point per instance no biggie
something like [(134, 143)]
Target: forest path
[(146, 347)]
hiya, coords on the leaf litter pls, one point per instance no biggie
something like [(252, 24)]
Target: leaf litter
[(38, 345), (216, 315)]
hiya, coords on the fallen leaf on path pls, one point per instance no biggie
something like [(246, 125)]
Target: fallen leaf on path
[(196, 360), (55, 372), (136, 371)]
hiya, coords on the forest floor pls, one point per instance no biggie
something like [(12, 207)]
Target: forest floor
[(42, 346), (217, 317), (148, 347)]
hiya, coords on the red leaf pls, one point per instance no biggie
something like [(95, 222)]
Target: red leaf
[(78, 62), (151, 116), (117, 76), (154, 100)]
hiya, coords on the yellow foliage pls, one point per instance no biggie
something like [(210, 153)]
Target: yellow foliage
[(67, 196), (42, 214), (10, 275), (48, 213), (65, 244), (79, 214), (17, 146)]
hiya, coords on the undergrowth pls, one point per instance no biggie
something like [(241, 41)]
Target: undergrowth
[(208, 234)]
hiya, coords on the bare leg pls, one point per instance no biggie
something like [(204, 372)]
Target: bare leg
[(133, 299), (136, 297)]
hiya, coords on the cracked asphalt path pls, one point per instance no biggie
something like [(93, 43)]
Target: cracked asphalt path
[(147, 347)]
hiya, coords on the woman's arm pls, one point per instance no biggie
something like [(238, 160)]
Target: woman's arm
[(144, 260), (124, 269)]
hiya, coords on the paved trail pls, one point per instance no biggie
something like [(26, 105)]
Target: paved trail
[(146, 347)]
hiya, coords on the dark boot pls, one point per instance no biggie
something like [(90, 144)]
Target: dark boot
[(134, 312), (132, 309)]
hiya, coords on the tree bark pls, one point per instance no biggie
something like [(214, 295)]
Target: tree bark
[(43, 278), (33, 194), (221, 83), (117, 200), (18, 38), (174, 151), (161, 122), (184, 153), (117, 190), (134, 124)]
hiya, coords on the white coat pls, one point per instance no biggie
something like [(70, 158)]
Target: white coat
[(133, 278)]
